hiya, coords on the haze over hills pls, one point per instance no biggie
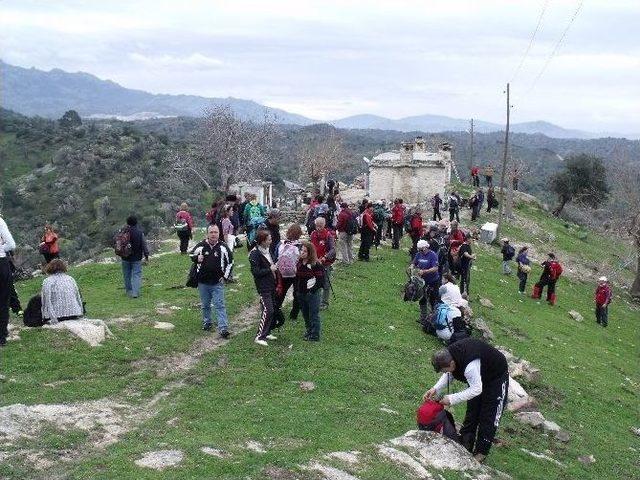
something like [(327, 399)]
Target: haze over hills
[(30, 91)]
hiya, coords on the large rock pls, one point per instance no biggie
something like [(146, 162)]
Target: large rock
[(92, 331), (516, 392)]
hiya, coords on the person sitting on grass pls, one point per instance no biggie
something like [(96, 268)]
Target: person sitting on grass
[(61, 298), (485, 370)]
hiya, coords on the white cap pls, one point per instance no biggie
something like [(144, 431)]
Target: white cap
[(422, 244), (601, 279)]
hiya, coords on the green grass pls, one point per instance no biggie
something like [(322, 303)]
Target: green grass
[(589, 379)]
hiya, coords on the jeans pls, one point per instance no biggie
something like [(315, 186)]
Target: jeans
[(436, 214), (522, 285), (397, 235), (465, 278), (506, 267), (132, 273), (602, 315), (310, 306), (326, 291), (345, 246), (454, 213), (213, 294)]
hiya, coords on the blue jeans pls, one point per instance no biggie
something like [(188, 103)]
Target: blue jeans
[(213, 294), (132, 273), (310, 306)]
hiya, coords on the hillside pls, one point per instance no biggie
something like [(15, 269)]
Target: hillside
[(147, 389)]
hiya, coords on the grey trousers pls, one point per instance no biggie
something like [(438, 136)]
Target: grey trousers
[(345, 247)]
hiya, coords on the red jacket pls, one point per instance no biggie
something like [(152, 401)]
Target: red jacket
[(367, 220), (475, 171), (456, 239), (51, 239), (325, 245), (397, 214), (344, 215), (603, 295), (416, 225), (183, 215)]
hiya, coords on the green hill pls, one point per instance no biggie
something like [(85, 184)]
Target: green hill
[(172, 390)]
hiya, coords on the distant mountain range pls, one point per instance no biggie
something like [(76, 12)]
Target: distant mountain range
[(49, 94)]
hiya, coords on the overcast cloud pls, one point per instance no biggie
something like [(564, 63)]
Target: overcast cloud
[(330, 59)]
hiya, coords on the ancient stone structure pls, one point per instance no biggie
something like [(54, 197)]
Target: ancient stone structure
[(411, 173)]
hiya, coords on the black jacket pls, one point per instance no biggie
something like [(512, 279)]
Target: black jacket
[(217, 262), (261, 270), (493, 364), (138, 245)]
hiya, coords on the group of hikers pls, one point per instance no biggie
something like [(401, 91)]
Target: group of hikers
[(441, 258)]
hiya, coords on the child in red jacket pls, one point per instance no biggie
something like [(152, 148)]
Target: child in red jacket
[(603, 299)]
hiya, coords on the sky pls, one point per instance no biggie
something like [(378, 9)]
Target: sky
[(331, 59)]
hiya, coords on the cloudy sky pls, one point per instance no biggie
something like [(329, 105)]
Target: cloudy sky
[(329, 59)]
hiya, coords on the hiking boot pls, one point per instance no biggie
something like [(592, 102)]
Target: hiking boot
[(261, 342), (271, 337), (206, 327), (225, 334)]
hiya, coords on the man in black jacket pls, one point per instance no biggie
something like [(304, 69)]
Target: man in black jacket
[(485, 370), (215, 261), (132, 264)]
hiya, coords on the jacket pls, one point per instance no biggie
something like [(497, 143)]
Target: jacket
[(139, 247), (217, 262), (603, 295), (305, 273), (343, 217), (51, 239), (325, 245), (367, 220), (184, 216), (263, 277), (397, 214), (60, 297)]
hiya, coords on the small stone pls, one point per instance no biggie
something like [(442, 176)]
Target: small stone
[(485, 302), (161, 459), (535, 419), (255, 446), (587, 459), (164, 326), (550, 426), (391, 327), (516, 391), (636, 431), (563, 436), (214, 452), (576, 316), (388, 410), (307, 386)]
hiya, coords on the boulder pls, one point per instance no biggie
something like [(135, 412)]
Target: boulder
[(550, 426)]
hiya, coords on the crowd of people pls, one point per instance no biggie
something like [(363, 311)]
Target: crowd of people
[(441, 258)]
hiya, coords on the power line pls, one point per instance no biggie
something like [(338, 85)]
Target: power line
[(556, 48), (533, 36)]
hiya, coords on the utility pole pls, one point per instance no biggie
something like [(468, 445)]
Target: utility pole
[(504, 168), (471, 154)]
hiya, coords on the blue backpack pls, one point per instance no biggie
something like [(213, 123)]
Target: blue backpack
[(440, 319)]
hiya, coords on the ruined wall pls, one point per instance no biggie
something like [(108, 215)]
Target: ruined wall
[(411, 183)]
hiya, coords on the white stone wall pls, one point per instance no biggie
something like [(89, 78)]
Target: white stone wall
[(411, 183)]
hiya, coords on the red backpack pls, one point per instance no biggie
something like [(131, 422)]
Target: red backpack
[(555, 270), (432, 416), (122, 242)]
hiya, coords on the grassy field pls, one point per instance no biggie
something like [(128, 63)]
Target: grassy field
[(372, 356)]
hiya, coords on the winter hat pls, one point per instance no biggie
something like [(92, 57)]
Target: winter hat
[(603, 279), (422, 244)]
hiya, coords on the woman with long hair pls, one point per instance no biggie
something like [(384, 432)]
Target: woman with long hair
[(49, 244), (309, 282), (264, 272)]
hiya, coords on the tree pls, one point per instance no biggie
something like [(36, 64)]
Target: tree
[(321, 154), (70, 119), (582, 181)]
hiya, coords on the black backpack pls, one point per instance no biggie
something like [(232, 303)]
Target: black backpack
[(352, 225), (510, 253), (413, 289), (32, 316)]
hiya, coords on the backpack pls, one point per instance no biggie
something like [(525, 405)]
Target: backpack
[(378, 214), (351, 227), (122, 242), (440, 319), (432, 416), (555, 270), (254, 211), (32, 315), (453, 203), (288, 260), (510, 253), (414, 289)]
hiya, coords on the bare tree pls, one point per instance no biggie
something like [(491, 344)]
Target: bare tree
[(226, 150), (320, 155)]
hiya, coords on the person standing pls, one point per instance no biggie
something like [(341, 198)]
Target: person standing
[(454, 207), (309, 280), (325, 245), (475, 176), (132, 264), (347, 227), (484, 369), (416, 230), (7, 244), (254, 215), (49, 244), (426, 264), (488, 175), (273, 225), (473, 204), (215, 262), (436, 203), (508, 252), (551, 271), (491, 199), (367, 233), (264, 269), (603, 298), (466, 257), (523, 268), (398, 213), (184, 227), (379, 214), (288, 255)]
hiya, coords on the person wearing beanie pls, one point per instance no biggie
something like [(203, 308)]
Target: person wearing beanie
[(603, 299)]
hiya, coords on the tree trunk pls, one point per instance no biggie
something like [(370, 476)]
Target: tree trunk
[(556, 211), (635, 287)]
